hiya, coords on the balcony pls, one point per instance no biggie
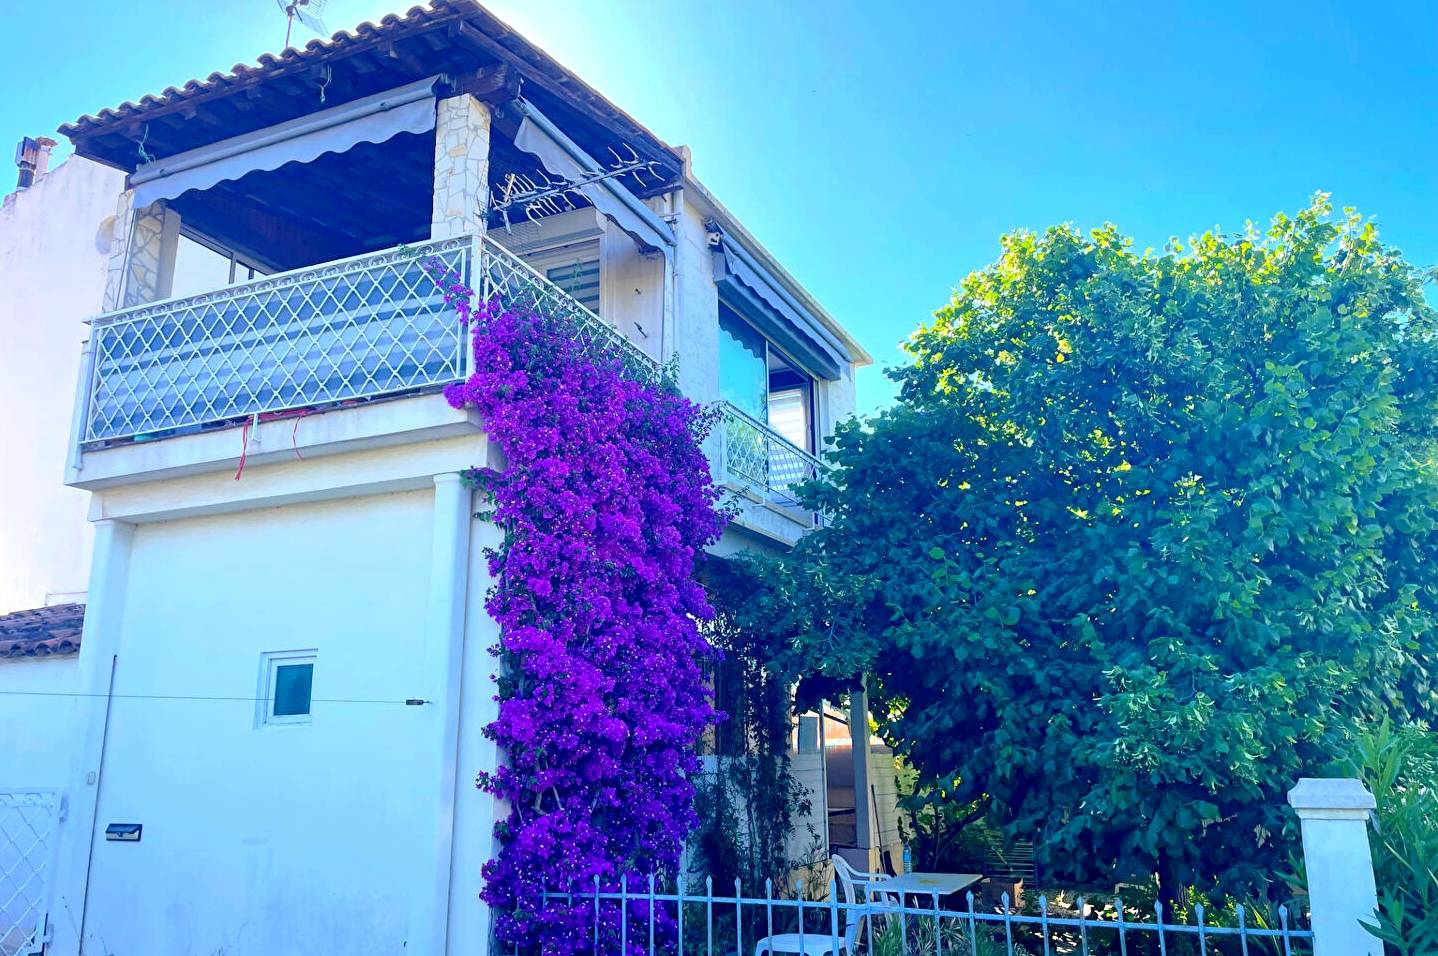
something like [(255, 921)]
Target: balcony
[(758, 460), (328, 335), (347, 332)]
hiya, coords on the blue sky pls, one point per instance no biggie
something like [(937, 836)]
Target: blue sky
[(880, 149)]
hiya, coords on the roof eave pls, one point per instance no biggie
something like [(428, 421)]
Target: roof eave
[(734, 227)]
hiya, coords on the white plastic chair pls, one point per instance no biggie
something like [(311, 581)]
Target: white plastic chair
[(825, 944)]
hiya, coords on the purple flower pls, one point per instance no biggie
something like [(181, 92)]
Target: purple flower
[(606, 505)]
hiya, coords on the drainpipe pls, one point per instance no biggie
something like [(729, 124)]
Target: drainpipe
[(674, 203)]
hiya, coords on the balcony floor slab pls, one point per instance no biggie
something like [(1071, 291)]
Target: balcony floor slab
[(378, 424)]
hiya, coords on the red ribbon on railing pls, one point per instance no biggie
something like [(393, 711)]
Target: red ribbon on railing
[(254, 420), (244, 445)]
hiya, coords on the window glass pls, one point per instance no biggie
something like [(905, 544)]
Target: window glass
[(203, 268), (198, 269), (743, 366), (580, 280), (292, 689), (789, 415)]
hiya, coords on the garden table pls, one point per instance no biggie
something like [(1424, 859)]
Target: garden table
[(927, 884)]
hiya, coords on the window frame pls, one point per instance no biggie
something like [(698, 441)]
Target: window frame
[(808, 404), (808, 386), (238, 262), (270, 663)]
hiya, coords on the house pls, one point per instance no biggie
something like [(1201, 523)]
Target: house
[(284, 669)]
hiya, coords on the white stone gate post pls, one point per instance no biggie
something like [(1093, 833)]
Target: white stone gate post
[(1339, 864)]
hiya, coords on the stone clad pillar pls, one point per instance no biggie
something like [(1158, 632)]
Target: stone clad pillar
[(142, 254), (119, 242), (461, 166), (1333, 815)]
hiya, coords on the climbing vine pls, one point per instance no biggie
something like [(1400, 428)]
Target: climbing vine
[(755, 819), (606, 505)]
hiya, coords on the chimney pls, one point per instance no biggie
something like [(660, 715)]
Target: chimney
[(33, 158)]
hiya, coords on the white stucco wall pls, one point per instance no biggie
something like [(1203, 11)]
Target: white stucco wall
[(261, 839), (38, 721), (696, 309), (54, 241), (265, 839)]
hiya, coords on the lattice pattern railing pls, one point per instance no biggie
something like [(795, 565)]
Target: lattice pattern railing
[(510, 279), (29, 821), (756, 456), (358, 328)]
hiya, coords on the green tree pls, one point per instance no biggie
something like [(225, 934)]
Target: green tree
[(1142, 537)]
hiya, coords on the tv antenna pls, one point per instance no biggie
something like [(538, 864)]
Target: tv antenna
[(544, 194), (307, 12)]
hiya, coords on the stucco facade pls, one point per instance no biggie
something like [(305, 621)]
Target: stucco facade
[(54, 243), (54, 251)]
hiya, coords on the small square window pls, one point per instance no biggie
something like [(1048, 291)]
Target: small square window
[(286, 684), (292, 689)]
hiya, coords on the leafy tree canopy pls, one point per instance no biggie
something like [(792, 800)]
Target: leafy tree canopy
[(1142, 538)]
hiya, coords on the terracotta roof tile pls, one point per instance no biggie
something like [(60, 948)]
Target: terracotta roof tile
[(42, 632), (314, 50), (440, 19)]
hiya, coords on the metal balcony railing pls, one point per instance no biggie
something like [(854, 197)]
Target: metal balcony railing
[(357, 328), (755, 456), (516, 285)]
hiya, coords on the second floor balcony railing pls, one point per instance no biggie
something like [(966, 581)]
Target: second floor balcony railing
[(372, 326), (375, 325), (357, 328), (508, 279)]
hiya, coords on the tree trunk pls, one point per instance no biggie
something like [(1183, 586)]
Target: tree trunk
[(1170, 886)]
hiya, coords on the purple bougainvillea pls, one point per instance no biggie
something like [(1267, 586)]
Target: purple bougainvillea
[(606, 505)]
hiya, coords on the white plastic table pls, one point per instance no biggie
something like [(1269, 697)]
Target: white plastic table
[(927, 884)]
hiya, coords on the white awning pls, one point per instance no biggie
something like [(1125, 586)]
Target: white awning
[(561, 156), (373, 119)]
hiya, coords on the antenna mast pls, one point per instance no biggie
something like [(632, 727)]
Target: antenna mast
[(307, 12)]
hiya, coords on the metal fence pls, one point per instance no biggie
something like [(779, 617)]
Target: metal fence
[(755, 456), (29, 832), (652, 921), (372, 325)]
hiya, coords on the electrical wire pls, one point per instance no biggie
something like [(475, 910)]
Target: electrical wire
[(407, 702)]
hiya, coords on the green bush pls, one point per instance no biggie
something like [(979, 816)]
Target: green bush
[(1400, 766)]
